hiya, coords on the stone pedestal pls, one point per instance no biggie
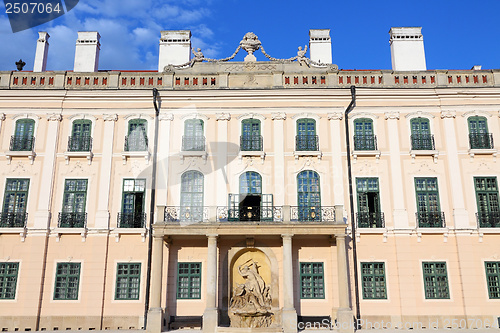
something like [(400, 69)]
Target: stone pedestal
[(155, 320), (345, 320), (210, 320), (289, 318)]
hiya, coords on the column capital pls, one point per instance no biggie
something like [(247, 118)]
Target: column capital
[(52, 117), (340, 236), (335, 116), (278, 116), (166, 116), (448, 114), (392, 115), (222, 116), (212, 236), (110, 117), (287, 236)]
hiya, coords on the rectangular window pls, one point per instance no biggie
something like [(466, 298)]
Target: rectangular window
[(189, 280), (312, 280), (8, 279), (14, 203), (373, 277), (493, 278), (435, 280), (132, 214), (74, 202), (67, 281), (429, 213), (369, 215), (128, 277), (488, 208)]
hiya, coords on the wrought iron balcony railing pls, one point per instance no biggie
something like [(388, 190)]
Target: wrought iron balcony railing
[(312, 213), (131, 220), (193, 143), (80, 143), (488, 219), (365, 142), (306, 143), (422, 142), (22, 143), (251, 143), (72, 220), (191, 214), (136, 143), (370, 220), (13, 220), (251, 213), (481, 140), (430, 219)]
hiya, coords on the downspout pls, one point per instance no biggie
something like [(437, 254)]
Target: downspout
[(351, 202), (152, 208)]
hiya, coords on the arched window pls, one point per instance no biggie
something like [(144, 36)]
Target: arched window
[(364, 139), (250, 140), (80, 139), (193, 139), (421, 137), (308, 196), (479, 138), (192, 196), (23, 138), (250, 183), (306, 139), (137, 137)]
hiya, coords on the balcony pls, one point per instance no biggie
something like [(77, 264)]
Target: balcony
[(193, 143), (135, 143), (251, 214), (251, 143), (488, 219), (306, 143), (370, 220), (13, 220), (72, 220), (481, 140), (189, 214), (422, 142), (430, 219), (80, 144), (312, 214), (365, 142), (21, 146), (131, 220)]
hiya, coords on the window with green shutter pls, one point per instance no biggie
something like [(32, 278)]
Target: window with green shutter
[(192, 187), (312, 285), (369, 215), (67, 281), (137, 138), (132, 214), (8, 279), (251, 140), (308, 196), (128, 278), (373, 280), (81, 139), (306, 139), (435, 280), (189, 280), (488, 208), (14, 203), (493, 278), (364, 139), (479, 138), (429, 213), (23, 137), (421, 137), (74, 201), (193, 139)]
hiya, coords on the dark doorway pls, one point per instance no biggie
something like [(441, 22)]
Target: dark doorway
[(250, 208)]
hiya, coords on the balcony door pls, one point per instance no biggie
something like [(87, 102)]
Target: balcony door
[(132, 215), (23, 136), (368, 202), (192, 196), (137, 135), (193, 135), (363, 134), (308, 196), (80, 135), (306, 135)]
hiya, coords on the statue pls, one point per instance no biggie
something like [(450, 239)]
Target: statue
[(198, 55), (301, 56)]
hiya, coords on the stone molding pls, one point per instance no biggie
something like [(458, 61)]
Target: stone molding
[(280, 116), (166, 116), (419, 114), (110, 117), (448, 114), (54, 117), (335, 116), (392, 115), (223, 116)]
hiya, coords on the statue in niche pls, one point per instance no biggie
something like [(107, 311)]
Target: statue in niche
[(301, 56), (251, 301)]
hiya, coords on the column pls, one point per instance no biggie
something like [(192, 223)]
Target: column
[(399, 215), (460, 215), (210, 315), (42, 215), (279, 157), (155, 313), (338, 171), (102, 214), (222, 179), (344, 313), (289, 314), (162, 163)]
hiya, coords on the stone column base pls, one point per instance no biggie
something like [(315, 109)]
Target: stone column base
[(210, 320), (345, 321), (289, 319), (155, 320)]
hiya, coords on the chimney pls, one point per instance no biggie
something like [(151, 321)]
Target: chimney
[(42, 49), (407, 49), (175, 48), (320, 46), (87, 51)]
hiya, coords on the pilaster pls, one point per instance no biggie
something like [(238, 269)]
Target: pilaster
[(279, 157), (344, 313), (289, 314), (210, 315), (155, 313), (222, 178), (163, 159), (338, 171)]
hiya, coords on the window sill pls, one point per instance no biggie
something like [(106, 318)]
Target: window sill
[(433, 153), (70, 231), (131, 154), (29, 154), (430, 230), (371, 231), (298, 153), (87, 154), (117, 232), (476, 151), (16, 230), (356, 153)]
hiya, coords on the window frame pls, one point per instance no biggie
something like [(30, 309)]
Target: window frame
[(312, 275), (495, 275), (3, 283), (435, 275), (56, 275), (373, 275), (129, 289), (16, 192), (190, 277)]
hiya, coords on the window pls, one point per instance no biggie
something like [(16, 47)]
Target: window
[(479, 138), (192, 196), (193, 139), (128, 277), (311, 280), (14, 203), (132, 214), (306, 139), (137, 138), (23, 138), (364, 139), (250, 140), (250, 183), (67, 281), (493, 278), (308, 195), (250, 204), (80, 139), (488, 209), (369, 215), (373, 277), (8, 279), (74, 201), (429, 214), (421, 137), (435, 280), (189, 280)]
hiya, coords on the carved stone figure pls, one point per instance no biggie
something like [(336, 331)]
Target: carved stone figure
[(301, 56), (251, 302), (198, 55)]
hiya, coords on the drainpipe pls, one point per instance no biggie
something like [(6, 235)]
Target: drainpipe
[(351, 201), (152, 208)]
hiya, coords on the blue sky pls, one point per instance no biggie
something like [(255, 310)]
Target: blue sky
[(457, 34)]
